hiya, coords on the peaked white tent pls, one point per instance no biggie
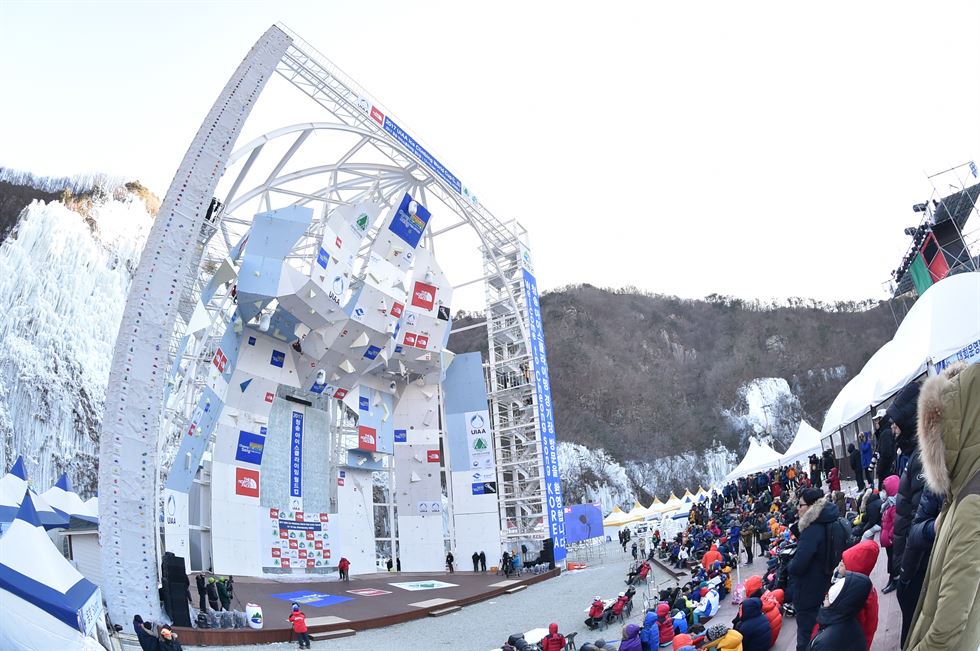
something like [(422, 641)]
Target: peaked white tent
[(806, 442), (64, 500), (759, 457), (14, 488), (44, 602), (616, 518), (943, 322)]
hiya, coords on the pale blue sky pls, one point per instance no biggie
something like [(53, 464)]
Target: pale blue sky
[(757, 149)]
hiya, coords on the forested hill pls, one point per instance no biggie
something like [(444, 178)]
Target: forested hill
[(647, 376)]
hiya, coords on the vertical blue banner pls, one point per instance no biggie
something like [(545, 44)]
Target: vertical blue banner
[(546, 417), (296, 457)]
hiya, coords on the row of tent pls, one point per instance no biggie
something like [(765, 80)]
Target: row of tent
[(55, 507), (618, 517), (45, 602), (758, 458)]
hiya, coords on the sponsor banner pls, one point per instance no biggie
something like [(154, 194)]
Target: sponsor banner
[(484, 488), (296, 456), (420, 152), (401, 436), (428, 507), (250, 447), (246, 482), (295, 539), (546, 418), (278, 358), (432, 456), (423, 295), (415, 586), (479, 446), (367, 438), (407, 226), (175, 522), (305, 598), (969, 354), (369, 592)]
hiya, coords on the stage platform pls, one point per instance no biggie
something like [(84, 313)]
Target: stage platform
[(366, 601)]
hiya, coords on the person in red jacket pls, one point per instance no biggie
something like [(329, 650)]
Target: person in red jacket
[(711, 556), (595, 613), (666, 624), (772, 600), (862, 558), (554, 641), (298, 619), (834, 479), (344, 567)]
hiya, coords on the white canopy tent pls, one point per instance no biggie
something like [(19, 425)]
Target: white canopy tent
[(63, 499), (759, 457), (45, 603), (13, 490), (806, 442), (944, 320)]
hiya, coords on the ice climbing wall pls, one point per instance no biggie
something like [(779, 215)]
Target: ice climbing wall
[(131, 426)]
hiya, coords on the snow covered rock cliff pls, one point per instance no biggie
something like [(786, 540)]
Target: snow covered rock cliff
[(64, 276)]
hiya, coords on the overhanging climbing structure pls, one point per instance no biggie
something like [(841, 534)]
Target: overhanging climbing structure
[(289, 299)]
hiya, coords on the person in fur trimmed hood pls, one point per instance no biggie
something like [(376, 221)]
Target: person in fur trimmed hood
[(947, 616)]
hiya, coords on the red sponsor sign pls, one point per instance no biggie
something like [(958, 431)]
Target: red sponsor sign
[(285, 562), (367, 438), (340, 482), (324, 517), (299, 516), (283, 534), (276, 552), (432, 456), (318, 544), (190, 430), (397, 309), (269, 396), (302, 553), (340, 393), (421, 341), (246, 482), (293, 544), (377, 115), (410, 338), (326, 553), (310, 562), (424, 295), (339, 242), (274, 514), (220, 360), (309, 535)]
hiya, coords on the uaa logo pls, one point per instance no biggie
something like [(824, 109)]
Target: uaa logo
[(477, 422), (338, 285), (171, 505)]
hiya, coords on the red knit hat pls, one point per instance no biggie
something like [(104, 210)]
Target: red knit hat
[(861, 557)]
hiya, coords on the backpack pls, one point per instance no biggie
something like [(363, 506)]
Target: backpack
[(202, 620), (838, 533)]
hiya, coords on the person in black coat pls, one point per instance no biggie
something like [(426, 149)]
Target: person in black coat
[(145, 634), (809, 578), (815, 471), (915, 560), (754, 626), (903, 414), (886, 450), (872, 516), (202, 591), (839, 628), (854, 456)]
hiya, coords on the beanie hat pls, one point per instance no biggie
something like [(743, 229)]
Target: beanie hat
[(716, 632), (811, 495), (903, 410), (295, 607)]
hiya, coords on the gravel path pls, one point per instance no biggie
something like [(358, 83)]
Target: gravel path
[(486, 625)]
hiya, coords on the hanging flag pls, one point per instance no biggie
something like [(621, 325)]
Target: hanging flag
[(921, 277), (973, 169)]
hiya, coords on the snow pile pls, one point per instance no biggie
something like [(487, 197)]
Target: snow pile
[(766, 405), (64, 278)]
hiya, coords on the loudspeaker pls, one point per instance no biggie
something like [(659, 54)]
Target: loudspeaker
[(173, 570), (548, 553), (175, 603)]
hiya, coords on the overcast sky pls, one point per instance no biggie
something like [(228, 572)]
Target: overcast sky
[(764, 149)]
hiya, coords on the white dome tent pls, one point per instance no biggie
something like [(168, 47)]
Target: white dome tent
[(759, 457), (806, 442), (944, 321), (44, 602)]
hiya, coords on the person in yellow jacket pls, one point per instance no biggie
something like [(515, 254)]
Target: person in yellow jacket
[(727, 571), (947, 616), (722, 638)]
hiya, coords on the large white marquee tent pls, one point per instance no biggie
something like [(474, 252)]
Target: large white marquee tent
[(806, 442), (759, 457), (944, 321)]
